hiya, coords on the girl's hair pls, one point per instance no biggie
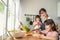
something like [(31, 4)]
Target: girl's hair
[(37, 16), (42, 9), (52, 23)]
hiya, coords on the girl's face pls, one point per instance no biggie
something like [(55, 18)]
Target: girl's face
[(37, 19), (48, 27)]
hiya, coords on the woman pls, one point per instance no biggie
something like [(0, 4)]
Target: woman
[(44, 16), (43, 13)]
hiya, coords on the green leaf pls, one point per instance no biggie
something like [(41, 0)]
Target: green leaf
[(1, 6), (25, 28)]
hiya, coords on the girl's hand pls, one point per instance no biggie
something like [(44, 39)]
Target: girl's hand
[(39, 23), (35, 23), (37, 32)]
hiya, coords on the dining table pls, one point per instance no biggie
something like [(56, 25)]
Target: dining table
[(26, 37)]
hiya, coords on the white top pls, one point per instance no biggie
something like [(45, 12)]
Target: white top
[(45, 19), (49, 18), (36, 25)]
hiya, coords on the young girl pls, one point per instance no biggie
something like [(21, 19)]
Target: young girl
[(50, 31), (37, 23)]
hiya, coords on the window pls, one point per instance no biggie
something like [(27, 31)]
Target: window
[(9, 17)]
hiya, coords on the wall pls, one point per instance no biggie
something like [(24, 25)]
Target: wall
[(33, 6), (58, 0)]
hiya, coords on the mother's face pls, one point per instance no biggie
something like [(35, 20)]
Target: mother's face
[(43, 14)]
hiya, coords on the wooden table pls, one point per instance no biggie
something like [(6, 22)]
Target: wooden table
[(26, 38)]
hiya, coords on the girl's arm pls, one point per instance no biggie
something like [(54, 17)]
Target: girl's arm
[(49, 38), (43, 32)]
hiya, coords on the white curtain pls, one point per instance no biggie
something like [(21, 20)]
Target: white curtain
[(2, 20), (14, 12), (18, 12)]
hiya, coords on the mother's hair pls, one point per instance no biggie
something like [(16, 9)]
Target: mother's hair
[(44, 10)]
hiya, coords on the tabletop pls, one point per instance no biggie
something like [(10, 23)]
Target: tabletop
[(29, 37), (26, 38)]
